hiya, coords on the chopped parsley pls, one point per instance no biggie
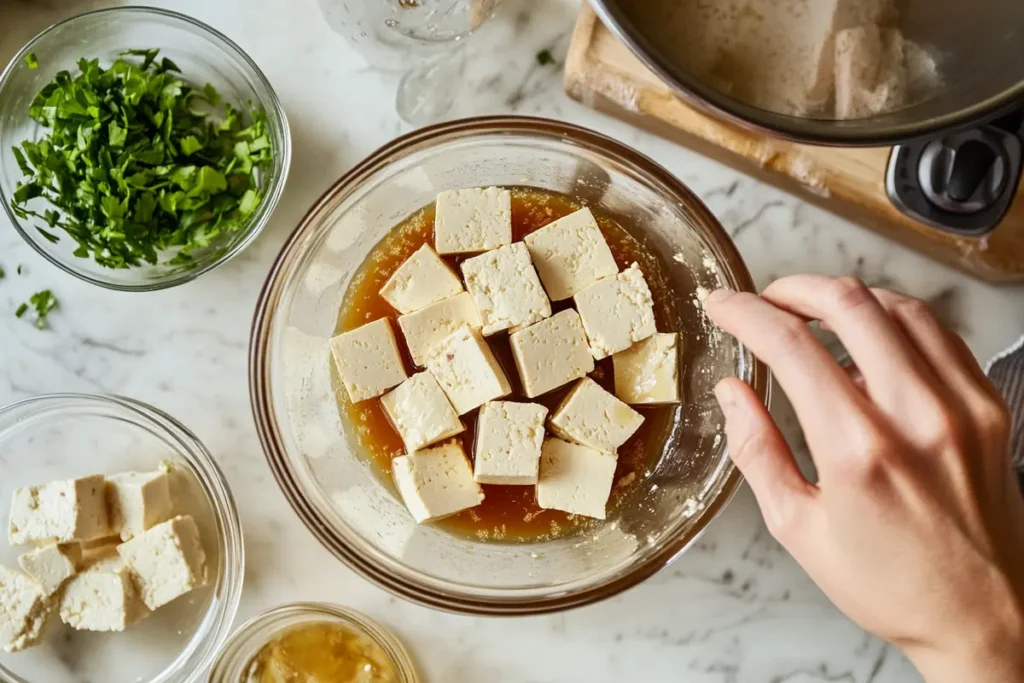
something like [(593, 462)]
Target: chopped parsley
[(544, 57), (31, 61), (136, 161), (43, 303)]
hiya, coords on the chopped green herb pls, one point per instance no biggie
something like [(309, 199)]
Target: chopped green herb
[(31, 61), (43, 303), (18, 269), (2, 273), (137, 162), (544, 57)]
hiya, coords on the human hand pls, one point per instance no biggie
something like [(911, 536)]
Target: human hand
[(915, 528)]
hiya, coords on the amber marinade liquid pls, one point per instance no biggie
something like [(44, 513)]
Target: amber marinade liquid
[(508, 513)]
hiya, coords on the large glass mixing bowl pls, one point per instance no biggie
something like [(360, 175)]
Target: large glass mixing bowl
[(353, 510)]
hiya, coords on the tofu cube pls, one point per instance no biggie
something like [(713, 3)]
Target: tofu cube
[(86, 553), (428, 327), (420, 412), (167, 561), (551, 353), (436, 482), (467, 371), (61, 511), (138, 501), (508, 442), (574, 478), (475, 219), (102, 598), (870, 71), (617, 312), (422, 280), (505, 288), (648, 371), (368, 360), (570, 254), (24, 611), (591, 416), (48, 566)]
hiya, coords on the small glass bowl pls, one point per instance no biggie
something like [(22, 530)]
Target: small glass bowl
[(59, 436), (317, 457), (205, 56), (247, 640)]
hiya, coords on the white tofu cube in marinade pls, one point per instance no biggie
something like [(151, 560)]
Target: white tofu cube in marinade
[(591, 416), (427, 327), (472, 220), (61, 511), (420, 412), (570, 254), (575, 479), (436, 482), (467, 370), (505, 288), (368, 360), (138, 501), (551, 353), (617, 312), (423, 279), (102, 598), (166, 561), (49, 566), (648, 371), (508, 442), (25, 611)]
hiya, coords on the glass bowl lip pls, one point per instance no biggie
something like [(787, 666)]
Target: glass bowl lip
[(270, 434), (202, 652), (274, 107), (354, 619)]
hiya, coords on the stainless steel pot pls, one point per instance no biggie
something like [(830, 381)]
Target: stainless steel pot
[(981, 42)]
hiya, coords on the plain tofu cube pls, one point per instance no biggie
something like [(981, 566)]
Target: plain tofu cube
[(368, 360), (570, 254), (48, 566), (421, 280), (427, 327), (467, 370), (574, 478), (617, 312), (551, 353), (138, 501), (591, 416), (102, 598), (24, 611), (505, 288), (509, 437), (60, 512), (436, 482), (421, 412), (167, 561), (648, 371), (475, 219)]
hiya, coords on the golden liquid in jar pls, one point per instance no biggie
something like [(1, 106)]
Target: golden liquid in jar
[(508, 513), (321, 652)]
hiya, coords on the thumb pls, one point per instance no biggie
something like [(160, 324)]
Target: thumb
[(761, 454)]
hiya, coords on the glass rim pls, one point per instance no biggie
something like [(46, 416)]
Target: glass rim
[(414, 588), (357, 621), (204, 646), (279, 172)]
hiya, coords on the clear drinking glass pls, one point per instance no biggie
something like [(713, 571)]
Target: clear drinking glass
[(319, 462), (422, 38)]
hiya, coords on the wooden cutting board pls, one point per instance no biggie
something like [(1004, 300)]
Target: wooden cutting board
[(602, 73)]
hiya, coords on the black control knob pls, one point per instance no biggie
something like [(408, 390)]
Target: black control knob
[(964, 173), (972, 162)]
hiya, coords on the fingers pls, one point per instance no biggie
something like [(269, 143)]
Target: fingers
[(819, 390), (893, 373), (761, 454)]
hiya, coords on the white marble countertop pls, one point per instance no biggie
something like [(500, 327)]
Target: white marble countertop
[(736, 608)]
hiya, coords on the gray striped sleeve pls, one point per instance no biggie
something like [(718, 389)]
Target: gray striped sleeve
[(1007, 372)]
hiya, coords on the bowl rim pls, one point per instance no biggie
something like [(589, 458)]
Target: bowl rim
[(259, 222), (201, 653), (353, 619), (270, 433)]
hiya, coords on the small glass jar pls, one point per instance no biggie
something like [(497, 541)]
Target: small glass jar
[(250, 638)]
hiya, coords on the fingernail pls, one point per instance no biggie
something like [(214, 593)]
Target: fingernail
[(726, 395), (719, 295)]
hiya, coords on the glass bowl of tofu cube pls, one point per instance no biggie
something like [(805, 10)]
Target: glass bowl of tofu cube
[(122, 559), (482, 373)]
